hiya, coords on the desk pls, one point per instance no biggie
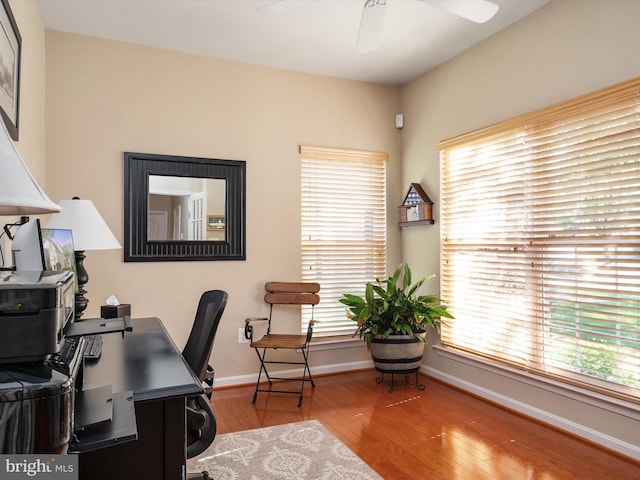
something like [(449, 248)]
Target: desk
[(148, 363)]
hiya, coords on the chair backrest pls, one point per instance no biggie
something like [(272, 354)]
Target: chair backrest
[(292, 293), (200, 342)]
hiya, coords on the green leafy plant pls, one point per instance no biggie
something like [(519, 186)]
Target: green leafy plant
[(392, 307)]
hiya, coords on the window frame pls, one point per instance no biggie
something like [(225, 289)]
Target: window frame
[(335, 183), (524, 129)]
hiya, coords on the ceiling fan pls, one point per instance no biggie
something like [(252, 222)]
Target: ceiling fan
[(478, 11)]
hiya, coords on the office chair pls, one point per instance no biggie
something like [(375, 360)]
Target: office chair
[(201, 421), (284, 293)]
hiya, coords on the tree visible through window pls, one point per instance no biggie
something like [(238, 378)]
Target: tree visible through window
[(343, 228), (540, 239)]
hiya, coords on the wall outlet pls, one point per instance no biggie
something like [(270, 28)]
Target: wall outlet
[(241, 337)]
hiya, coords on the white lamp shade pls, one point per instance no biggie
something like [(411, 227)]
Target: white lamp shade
[(20, 194), (89, 230)]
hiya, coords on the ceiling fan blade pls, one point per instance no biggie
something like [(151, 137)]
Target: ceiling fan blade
[(478, 11), (280, 6), (370, 25)]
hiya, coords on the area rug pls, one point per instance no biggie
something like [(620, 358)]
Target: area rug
[(301, 450)]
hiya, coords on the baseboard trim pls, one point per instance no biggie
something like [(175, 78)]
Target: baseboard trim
[(238, 380), (589, 434)]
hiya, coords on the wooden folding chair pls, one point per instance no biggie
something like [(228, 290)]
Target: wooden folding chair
[(284, 293)]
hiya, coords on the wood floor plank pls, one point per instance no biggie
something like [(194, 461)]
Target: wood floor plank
[(440, 433)]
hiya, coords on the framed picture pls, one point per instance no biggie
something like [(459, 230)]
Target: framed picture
[(10, 43), (215, 222)]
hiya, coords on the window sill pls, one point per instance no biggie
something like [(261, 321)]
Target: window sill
[(588, 397), (330, 343)]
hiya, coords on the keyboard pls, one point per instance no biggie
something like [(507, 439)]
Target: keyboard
[(93, 347)]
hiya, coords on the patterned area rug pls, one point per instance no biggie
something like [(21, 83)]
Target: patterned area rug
[(301, 450)]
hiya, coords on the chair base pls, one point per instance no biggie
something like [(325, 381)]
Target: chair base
[(306, 376), (201, 425), (291, 392)]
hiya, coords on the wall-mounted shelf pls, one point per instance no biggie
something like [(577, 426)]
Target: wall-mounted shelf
[(416, 223), (417, 208)]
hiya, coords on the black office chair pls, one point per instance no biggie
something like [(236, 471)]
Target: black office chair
[(201, 421)]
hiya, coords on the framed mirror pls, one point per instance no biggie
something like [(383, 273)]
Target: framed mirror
[(183, 208)]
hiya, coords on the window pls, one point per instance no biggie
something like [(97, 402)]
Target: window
[(343, 228), (540, 241)]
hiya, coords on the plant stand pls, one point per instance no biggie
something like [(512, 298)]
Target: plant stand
[(397, 355), (406, 373)]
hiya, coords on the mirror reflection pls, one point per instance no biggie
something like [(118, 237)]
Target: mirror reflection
[(186, 208)]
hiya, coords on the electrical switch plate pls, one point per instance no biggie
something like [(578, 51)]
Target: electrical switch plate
[(241, 337)]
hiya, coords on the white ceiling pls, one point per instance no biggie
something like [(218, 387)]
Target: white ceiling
[(317, 36)]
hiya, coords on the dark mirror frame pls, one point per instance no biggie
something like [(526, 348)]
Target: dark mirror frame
[(138, 167)]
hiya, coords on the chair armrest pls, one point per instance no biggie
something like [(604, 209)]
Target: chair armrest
[(207, 380), (248, 328), (209, 373), (310, 330), (256, 319)]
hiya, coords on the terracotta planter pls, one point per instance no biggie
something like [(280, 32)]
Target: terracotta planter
[(397, 353)]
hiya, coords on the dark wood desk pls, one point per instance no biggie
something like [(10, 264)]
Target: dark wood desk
[(148, 363)]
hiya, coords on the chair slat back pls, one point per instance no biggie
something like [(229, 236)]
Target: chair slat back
[(292, 287), (290, 293)]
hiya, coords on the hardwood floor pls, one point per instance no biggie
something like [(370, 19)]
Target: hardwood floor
[(437, 433)]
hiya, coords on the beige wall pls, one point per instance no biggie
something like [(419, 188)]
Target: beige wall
[(106, 97), (567, 48), (31, 143)]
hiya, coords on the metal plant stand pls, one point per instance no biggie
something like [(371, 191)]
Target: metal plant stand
[(405, 373)]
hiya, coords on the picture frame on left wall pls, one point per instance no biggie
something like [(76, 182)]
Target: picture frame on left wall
[(10, 51)]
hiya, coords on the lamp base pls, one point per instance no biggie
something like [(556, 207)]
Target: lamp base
[(83, 278)]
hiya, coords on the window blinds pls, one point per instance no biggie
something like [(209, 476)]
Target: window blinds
[(540, 241), (343, 229)]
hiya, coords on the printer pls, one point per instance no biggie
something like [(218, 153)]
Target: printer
[(35, 308)]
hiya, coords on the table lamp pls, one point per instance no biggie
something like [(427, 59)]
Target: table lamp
[(90, 232)]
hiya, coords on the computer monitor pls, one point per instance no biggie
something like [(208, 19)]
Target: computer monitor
[(26, 248), (59, 253)]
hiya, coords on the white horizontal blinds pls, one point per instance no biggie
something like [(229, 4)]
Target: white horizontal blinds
[(484, 225), (343, 229), (541, 241)]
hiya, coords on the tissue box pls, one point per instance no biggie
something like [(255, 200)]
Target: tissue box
[(115, 311)]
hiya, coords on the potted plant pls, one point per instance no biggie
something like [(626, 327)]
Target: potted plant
[(392, 319)]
